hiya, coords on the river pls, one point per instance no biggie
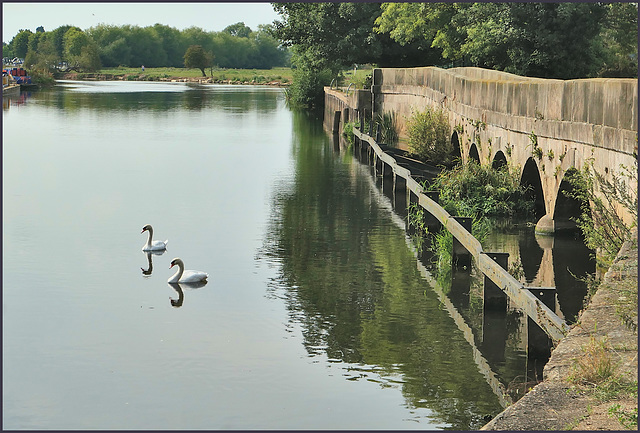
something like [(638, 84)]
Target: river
[(316, 314)]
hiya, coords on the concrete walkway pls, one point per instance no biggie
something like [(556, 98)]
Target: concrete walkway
[(555, 404)]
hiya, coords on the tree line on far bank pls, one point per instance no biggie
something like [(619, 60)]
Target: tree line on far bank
[(237, 46)]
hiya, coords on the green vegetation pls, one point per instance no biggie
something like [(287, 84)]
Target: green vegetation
[(628, 419), (388, 131), (386, 121), (361, 79), (627, 303), (605, 231), (347, 131), (71, 48), (603, 227), (478, 190), (531, 39), (430, 136), (327, 38), (307, 89), (197, 57), (595, 366), (442, 246), (43, 78), (596, 372), (475, 191), (281, 75)]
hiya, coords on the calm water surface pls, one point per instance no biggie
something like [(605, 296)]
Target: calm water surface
[(315, 314)]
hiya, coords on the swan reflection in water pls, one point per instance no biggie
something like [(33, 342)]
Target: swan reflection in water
[(179, 287), (147, 272)]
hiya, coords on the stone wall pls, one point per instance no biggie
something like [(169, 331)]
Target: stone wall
[(350, 106), (599, 112)]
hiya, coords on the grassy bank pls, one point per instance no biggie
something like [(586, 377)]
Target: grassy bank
[(281, 75)]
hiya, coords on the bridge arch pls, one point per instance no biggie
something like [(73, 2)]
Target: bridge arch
[(499, 161), (455, 144), (567, 208), (473, 154), (531, 180)]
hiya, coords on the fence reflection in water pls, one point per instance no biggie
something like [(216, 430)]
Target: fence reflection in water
[(499, 328)]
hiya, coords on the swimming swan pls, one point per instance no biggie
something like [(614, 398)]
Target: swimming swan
[(182, 276), (152, 245)]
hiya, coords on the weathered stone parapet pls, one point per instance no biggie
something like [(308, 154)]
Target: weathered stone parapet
[(597, 101), (350, 105)]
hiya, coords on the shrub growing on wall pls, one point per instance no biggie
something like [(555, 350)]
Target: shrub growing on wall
[(476, 190), (601, 219), (429, 136)]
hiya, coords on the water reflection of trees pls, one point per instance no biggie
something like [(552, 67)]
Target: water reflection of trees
[(193, 98), (351, 283)]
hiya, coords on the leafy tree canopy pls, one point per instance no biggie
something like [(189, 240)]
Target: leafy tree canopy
[(334, 35), (238, 29), (160, 45), (20, 43), (549, 40), (197, 57)]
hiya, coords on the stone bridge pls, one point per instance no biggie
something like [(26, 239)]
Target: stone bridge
[(543, 127)]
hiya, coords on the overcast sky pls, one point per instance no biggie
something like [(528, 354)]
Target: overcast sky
[(210, 16)]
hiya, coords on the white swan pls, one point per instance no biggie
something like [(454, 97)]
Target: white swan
[(182, 276), (152, 245)]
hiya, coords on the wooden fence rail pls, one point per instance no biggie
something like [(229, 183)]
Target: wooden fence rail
[(554, 326)]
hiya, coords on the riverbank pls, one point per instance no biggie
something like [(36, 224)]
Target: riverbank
[(558, 404), (280, 77)]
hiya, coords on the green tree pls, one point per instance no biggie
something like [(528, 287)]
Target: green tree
[(554, 40), (329, 35), (269, 51), (335, 36), (34, 39), (44, 57), (20, 43), (7, 50), (58, 38), (427, 24), (548, 40), (307, 90), (146, 47), (197, 57), (238, 29), (197, 36), (81, 52), (332, 37), (172, 44), (113, 45), (619, 41), (36, 58)]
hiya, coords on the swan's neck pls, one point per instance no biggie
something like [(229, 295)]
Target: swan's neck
[(178, 273), (150, 237)]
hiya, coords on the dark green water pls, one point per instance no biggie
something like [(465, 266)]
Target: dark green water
[(316, 313)]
